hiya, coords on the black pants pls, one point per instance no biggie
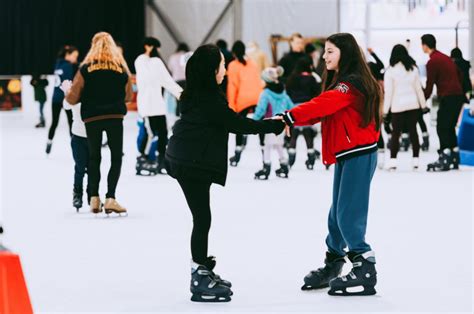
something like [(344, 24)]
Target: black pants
[(114, 130), (405, 120), (56, 110), (239, 138), (309, 134), (197, 195), (448, 114), (156, 126), (421, 122), (80, 153)]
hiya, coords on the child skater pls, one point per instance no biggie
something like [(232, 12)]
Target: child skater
[(349, 110), (79, 145), (273, 100)]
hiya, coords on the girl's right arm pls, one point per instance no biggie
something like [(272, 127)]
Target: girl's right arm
[(326, 104)]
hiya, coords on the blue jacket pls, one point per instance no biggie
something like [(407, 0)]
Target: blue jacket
[(271, 103), (63, 70)]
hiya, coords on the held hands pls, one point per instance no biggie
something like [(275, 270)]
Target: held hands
[(287, 127), (425, 110), (66, 86), (276, 125)]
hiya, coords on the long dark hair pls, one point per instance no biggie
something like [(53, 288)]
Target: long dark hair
[(182, 47), (400, 54), (352, 63), (201, 71), (66, 50), (456, 53), (238, 49), (304, 64), (155, 43)]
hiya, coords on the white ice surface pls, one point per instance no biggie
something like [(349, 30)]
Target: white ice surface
[(266, 235)]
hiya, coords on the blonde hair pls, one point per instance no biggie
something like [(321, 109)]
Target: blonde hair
[(104, 50)]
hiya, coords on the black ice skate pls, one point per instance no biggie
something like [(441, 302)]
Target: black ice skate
[(312, 156), (404, 143), (205, 288), (146, 167), (48, 147), (211, 264), (443, 163), (361, 280), (234, 160), (454, 158), (291, 156), (263, 173), (283, 171), (77, 198), (425, 145), (41, 124), (320, 278), (160, 167)]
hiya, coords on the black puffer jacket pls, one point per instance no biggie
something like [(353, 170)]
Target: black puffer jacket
[(198, 148)]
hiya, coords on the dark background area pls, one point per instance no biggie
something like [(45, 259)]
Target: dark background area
[(32, 31)]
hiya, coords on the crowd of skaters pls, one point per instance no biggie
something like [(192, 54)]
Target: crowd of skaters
[(255, 88), (221, 91)]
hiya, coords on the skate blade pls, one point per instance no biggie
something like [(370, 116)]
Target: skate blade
[(112, 214), (210, 298), (146, 174), (261, 178), (352, 291), (306, 287)]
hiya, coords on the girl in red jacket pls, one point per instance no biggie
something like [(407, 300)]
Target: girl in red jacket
[(349, 110)]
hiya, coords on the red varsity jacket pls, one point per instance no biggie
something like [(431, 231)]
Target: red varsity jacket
[(340, 112)]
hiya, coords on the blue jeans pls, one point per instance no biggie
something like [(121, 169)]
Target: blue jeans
[(347, 220), (80, 152)]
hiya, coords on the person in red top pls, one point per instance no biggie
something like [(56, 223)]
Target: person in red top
[(349, 109), (443, 72)]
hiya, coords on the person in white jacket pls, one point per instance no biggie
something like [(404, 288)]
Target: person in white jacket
[(152, 76), (405, 100), (79, 145)]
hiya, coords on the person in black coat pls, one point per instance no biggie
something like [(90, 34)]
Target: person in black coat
[(464, 66), (197, 156)]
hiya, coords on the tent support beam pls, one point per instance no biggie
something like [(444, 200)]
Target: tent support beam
[(165, 21)]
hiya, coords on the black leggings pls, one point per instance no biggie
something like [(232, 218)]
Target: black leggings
[(197, 197), (156, 126), (405, 120), (114, 130), (56, 109), (309, 134), (239, 138), (421, 122)]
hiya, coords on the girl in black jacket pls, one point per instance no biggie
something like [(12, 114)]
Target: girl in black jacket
[(197, 157)]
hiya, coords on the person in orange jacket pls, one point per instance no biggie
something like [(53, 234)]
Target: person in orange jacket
[(349, 109), (243, 90)]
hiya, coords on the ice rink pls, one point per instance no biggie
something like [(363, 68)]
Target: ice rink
[(266, 235)]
